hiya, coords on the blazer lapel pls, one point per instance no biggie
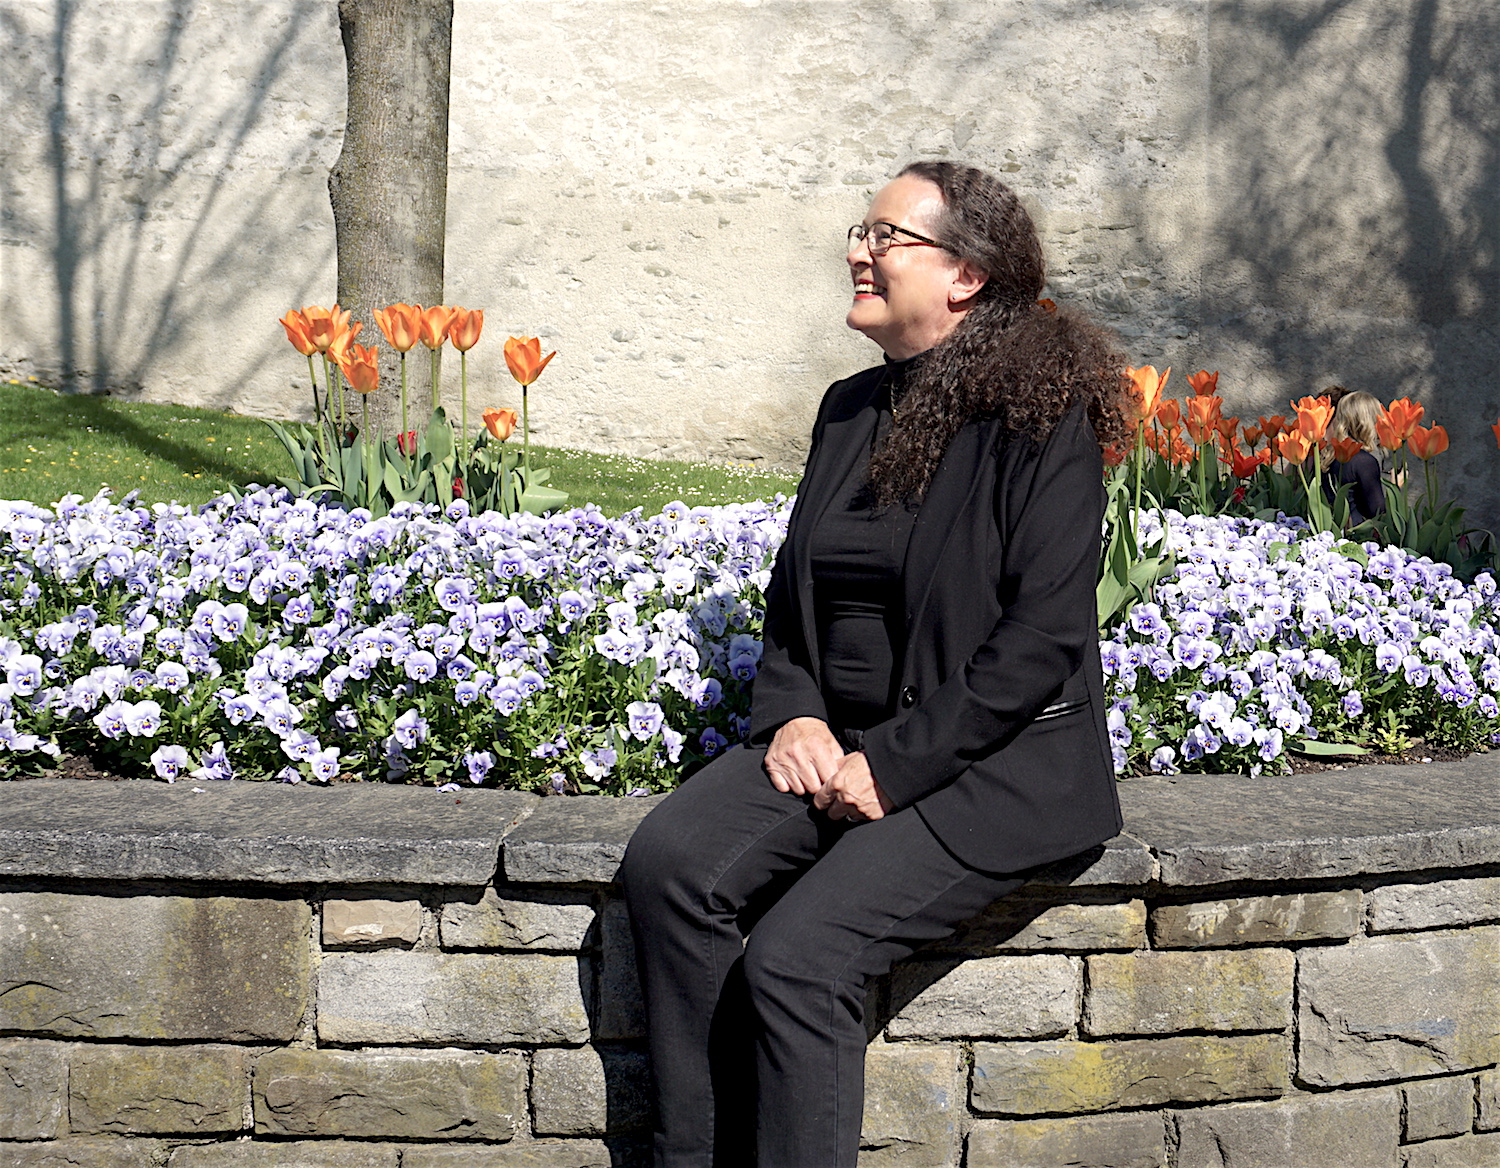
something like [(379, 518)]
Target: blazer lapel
[(949, 496)]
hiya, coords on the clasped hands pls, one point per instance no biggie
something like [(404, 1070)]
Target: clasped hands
[(804, 758)]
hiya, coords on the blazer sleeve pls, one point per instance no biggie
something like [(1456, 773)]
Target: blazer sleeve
[(1049, 507)]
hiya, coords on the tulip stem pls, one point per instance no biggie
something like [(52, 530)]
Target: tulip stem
[(403, 398), (437, 391), (463, 379), (526, 436)]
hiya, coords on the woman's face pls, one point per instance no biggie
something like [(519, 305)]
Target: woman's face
[(909, 299)]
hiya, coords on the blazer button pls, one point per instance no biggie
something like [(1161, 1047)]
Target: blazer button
[(908, 697)]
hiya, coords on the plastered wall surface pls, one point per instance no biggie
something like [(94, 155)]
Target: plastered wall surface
[(1292, 193)]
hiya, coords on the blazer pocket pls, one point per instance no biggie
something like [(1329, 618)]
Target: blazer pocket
[(1062, 709)]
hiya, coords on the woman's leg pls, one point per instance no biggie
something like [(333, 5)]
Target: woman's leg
[(881, 891), (704, 863)]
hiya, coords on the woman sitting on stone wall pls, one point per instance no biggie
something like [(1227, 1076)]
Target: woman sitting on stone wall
[(928, 721)]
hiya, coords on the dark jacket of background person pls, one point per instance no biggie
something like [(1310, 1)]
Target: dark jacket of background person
[(1000, 626), (1366, 494)]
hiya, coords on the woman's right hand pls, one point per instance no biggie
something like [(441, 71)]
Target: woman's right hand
[(803, 756)]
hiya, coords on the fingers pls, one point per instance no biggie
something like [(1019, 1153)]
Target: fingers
[(802, 756)]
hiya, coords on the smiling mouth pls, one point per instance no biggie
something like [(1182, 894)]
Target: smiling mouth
[(866, 288)]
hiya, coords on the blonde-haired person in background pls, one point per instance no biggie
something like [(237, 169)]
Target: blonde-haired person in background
[(1355, 417)]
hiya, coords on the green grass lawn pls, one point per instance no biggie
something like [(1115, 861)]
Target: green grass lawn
[(58, 444)]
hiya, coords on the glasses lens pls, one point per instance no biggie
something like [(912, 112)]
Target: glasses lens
[(881, 235)]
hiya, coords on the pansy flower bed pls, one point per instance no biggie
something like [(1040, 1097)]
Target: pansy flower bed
[(268, 637), (1267, 638)]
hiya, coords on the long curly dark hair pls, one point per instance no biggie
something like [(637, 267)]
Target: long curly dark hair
[(1009, 357)]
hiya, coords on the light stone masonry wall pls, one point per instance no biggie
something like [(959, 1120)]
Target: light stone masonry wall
[(1292, 193), (1105, 1017)]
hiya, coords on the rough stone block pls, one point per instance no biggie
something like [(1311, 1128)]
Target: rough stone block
[(532, 1154), (555, 921), (1347, 1129), (914, 1102), (1256, 920), (1481, 1151), (622, 1012), (1031, 1078), (449, 1094), (308, 1154), (1398, 1008), (33, 1083), (1162, 993), (371, 922), (588, 1092), (1441, 904), (1088, 1141), (215, 967), (91, 1152), (399, 996), (1025, 924), (1489, 1102), (1438, 1107), (992, 997), (190, 1090)]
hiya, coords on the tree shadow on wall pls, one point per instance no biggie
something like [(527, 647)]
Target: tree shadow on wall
[(172, 147), (1359, 185)]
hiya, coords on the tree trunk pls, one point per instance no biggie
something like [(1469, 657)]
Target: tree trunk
[(389, 187)]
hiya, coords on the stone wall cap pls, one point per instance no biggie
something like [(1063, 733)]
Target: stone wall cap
[(1190, 830), (573, 841), (273, 833), (1214, 829)]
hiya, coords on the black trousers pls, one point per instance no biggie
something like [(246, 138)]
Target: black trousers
[(758, 925)]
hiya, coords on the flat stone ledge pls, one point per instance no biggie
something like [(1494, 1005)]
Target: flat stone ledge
[(1366, 820), (266, 833), (1188, 831), (573, 841)]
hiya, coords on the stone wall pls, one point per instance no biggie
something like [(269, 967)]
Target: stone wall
[(1258, 974), (1292, 192)]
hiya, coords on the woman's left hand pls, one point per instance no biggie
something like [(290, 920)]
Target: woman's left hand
[(852, 793)]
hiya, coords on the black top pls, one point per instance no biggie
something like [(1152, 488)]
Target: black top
[(857, 551), (1366, 495)]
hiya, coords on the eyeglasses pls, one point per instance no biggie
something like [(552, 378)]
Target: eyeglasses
[(881, 237)]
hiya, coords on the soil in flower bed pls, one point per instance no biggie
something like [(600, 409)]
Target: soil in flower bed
[(85, 766)]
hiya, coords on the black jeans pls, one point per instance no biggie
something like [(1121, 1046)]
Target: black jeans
[(758, 1045)]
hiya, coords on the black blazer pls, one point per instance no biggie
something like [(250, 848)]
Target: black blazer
[(999, 739)]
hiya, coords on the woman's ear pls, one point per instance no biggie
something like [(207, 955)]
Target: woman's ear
[(967, 281)]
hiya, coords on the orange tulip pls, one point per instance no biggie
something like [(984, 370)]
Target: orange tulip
[(1252, 436), (1047, 306), (1227, 427), (1496, 428), (1169, 414), (500, 423), (1313, 416), (1346, 448), (360, 365), (1405, 414), (432, 325), (1204, 383), (1427, 444), (324, 325), (338, 348), (1115, 455), (1146, 386), (1245, 465), (524, 357), (1202, 419), (1294, 446), (1272, 426), (400, 324), (298, 332), (464, 332)]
